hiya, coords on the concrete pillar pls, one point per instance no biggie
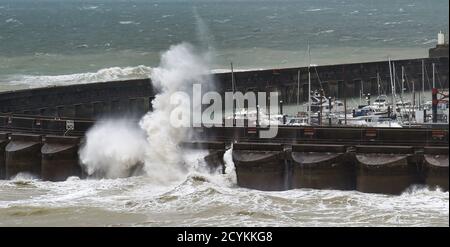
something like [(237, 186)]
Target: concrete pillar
[(436, 167), (137, 106), (68, 111), (333, 88), (60, 158), (322, 167), (23, 154), (48, 111), (98, 109), (340, 89), (106, 107), (260, 166), (4, 139), (84, 110), (385, 169), (146, 104), (367, 86), (115, 107), (350, 89)]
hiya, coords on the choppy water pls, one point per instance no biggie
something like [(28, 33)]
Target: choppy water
[(50, 42), (207, 201), (92, 40)]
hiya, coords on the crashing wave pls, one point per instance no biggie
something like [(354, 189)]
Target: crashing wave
[(102, 75)]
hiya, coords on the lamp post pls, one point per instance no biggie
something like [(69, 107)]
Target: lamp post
[(281, 112), (329, 111), (281, 107), (257, 115)]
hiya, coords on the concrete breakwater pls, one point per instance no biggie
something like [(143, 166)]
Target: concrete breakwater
[(262, 166), (436, 135), (372, 169), (95, 100), (53, 158), (41, 131), (340, 81)]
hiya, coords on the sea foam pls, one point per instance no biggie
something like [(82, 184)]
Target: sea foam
[(102, 75)]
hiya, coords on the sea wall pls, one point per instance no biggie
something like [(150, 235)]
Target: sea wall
[(343, 80), (262, 166), (40, 130), (370, 169), (436, 136), (86, 101), (133, 97)]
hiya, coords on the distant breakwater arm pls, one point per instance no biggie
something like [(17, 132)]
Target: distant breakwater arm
[(133, 97)]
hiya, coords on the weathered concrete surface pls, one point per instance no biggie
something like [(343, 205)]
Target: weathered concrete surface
[(436, 167), (60, 158), (134, 96), (4, 139), (416, 136), (341, 80), (44, 125), (332, 135), (23, 154), (322, 167), (385, 169), (82, 100), (438, 51), (260, 166)]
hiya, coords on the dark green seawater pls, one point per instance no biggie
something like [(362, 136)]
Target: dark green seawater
[(50, 42), (92, 40), (208, 201)]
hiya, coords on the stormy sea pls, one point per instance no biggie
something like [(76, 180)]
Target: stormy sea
[(49, 42)]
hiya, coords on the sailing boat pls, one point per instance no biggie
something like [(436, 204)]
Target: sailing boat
[(254, 117), (379, 114)]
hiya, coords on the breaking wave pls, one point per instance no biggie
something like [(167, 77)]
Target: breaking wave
[(129, 23), (102, 75), (200, 201), (113, 148)]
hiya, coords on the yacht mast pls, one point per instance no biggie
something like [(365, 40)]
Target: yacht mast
[(423, 85), (403, 81), (232, 78), (378, 82), (392, 85), (233, 89), (309, 85), (414, 100), (298, 89), (394, 75), (434, 81)]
